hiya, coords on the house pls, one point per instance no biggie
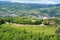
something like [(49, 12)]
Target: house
[(45, 17), (52, 22)]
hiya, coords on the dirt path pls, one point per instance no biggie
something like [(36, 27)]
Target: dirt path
[(22, 24)]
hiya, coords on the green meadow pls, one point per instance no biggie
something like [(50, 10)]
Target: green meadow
[(13, 32), (34, 28)]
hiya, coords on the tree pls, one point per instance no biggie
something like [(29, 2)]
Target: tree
[(45, 22), (2, 22), (37, 22)]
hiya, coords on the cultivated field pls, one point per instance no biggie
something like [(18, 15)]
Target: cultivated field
[(27, 32), (33, 28)]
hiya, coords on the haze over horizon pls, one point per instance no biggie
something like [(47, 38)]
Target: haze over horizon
[(36, 1)]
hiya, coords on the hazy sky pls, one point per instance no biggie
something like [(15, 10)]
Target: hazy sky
[(35, 1)]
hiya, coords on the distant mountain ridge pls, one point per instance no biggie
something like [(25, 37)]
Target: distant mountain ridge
[(28, 4)]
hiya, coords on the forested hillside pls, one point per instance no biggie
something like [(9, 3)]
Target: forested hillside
[(29, 10)]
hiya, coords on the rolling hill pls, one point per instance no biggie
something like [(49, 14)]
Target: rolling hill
[(28, 9)]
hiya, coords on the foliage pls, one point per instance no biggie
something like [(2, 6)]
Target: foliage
[(10, 32), (31, 21), (2, 21)]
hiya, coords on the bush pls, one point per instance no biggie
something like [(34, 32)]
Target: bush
[(2, 22)]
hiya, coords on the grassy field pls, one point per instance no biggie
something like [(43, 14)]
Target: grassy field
[(27, 32), (35, 29)]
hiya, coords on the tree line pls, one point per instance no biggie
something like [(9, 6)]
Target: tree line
[(31, 21)]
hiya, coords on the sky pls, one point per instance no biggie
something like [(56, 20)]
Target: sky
[(36, 1)]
